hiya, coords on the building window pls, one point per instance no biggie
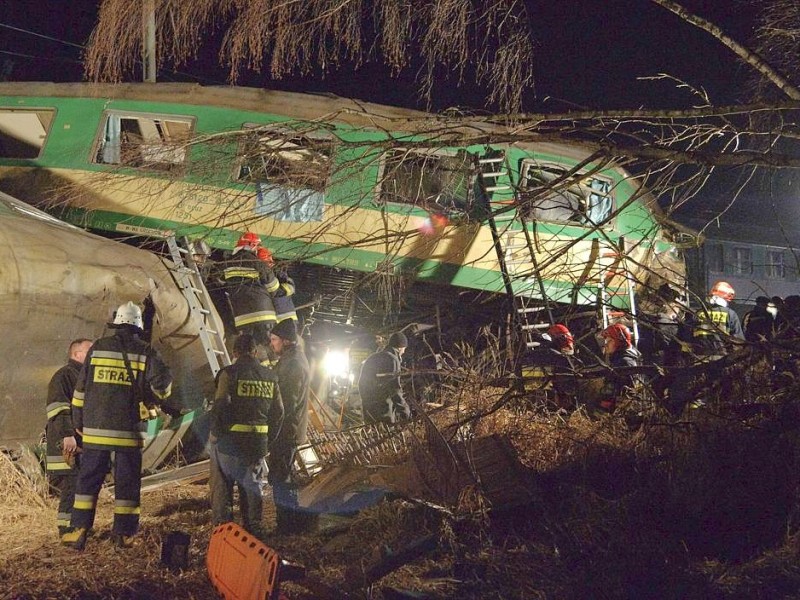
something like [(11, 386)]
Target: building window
[(144, 141), (552, 193), (775, 269), (23, 132), (430, 180), (290, 169), (742, 261), (715, 258)]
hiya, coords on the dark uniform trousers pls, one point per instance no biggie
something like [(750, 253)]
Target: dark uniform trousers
[(127, 466), (64, 483)]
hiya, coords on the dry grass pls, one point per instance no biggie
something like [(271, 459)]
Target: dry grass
[(696, 507)]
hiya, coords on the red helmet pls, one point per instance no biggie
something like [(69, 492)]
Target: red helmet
[(249, 240), (561, 336), (265, 255), (619, 333), (724, 290)]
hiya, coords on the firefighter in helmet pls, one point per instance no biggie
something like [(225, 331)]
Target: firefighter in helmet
[(121, 379), (713, 326), (621, 356), (249, 284)]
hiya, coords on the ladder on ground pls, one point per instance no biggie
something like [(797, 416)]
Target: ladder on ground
[(209, 325), (614, 265), (515, 253)]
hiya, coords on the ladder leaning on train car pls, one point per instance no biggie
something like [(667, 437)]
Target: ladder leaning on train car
[(514, 254)]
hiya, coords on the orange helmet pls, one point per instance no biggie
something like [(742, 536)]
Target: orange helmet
[(561, 336), (619, 333), (265, 255), (724, 290), (249, 240)]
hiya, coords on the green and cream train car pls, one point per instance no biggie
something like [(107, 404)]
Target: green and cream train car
[(333, 182)]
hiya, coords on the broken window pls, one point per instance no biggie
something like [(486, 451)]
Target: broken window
[(144, 141), (432, 181), (290, 169), (549, 192), (24, 131)]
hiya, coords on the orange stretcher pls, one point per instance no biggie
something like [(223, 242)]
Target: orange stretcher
[(242, 567)]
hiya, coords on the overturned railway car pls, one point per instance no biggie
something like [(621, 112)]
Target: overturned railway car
[(59, 283), (337, 183)]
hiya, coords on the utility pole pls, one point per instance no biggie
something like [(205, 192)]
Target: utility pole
[(149, 41)]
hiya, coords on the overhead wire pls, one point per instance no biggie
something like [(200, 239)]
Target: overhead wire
[(82, 47)]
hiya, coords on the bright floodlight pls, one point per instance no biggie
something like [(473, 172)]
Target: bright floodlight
[(337, 363)]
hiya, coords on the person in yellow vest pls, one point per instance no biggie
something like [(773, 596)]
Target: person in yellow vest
[(62, 442)]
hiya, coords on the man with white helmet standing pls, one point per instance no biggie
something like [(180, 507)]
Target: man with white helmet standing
[(122, 376)]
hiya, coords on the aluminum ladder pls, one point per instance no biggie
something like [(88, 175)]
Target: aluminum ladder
[(209, 325), (617, 267), (494, 179)]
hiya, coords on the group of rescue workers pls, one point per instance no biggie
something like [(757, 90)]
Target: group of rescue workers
[(99, 400), (97, 403)]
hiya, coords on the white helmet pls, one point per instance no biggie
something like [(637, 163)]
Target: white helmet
[(128, 314)]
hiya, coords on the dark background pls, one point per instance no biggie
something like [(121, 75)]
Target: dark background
[(589, 54)]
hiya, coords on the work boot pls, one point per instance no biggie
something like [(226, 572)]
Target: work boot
[(122, 541), (75, 538)]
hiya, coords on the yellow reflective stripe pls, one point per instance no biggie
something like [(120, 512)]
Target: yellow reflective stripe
[(62, 522), (250, 428), (127, 510), (58, 409), (111, 441), (57, 463), (84, 503), (117, 362), (274, 286), (243, 273), (162, 394), (77, 402), (254, 318), (288, 288)]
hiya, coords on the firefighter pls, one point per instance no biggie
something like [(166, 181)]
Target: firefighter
[(284, 304), (294, 380), (382, 399), (122, 377), (555, 361), (246, 416), (620, 355), (712, 326), (249, 284), (62, 443)]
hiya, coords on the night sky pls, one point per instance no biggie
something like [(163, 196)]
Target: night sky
[(589, 54)]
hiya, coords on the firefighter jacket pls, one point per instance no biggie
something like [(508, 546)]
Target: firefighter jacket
[(249, 284), (284, 303), (621, 376), (710, 327), (758, 325), (247, 410), (294, 379), (59, 414), (106, 403)]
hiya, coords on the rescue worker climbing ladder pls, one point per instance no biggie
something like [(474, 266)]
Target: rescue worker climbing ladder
[(108, 405)]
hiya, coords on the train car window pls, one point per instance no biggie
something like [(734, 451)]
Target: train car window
[(289, 168), (549, 193), (144, 141), (430, 180), (23, 131)]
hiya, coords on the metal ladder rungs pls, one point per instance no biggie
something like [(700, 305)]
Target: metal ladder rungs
[(497, 188), (492, 160), (493, 174)]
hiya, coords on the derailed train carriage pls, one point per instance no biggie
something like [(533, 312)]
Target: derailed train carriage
[(59, 283), (369, 202)]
